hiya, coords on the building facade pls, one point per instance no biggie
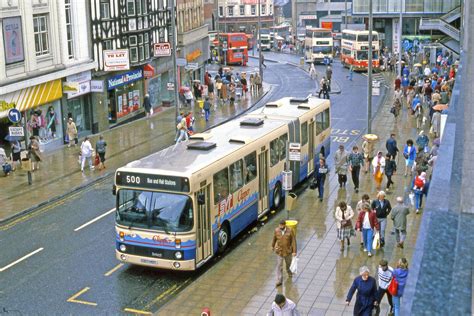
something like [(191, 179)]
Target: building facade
[(242, 15), (423, 20), (43, 47), (124, 36)]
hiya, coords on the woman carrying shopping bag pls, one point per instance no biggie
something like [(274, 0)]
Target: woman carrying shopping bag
[(343, 215), (368, 224)]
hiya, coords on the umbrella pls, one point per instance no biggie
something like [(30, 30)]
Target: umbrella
[(417, 65), (370, 137), (440, 107), (197, 80), (10, 138)]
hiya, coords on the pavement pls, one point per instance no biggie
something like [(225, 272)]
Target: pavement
[(60, 173), (243, 282)]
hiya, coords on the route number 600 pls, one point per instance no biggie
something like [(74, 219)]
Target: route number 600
[(133, 179)]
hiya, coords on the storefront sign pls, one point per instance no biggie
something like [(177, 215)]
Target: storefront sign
[(16, 131), (162, 49), (180, 62), (170, 86), (31, 97), (97, 86), (70, 87), (193, 55), (116, 60), (123, 79), (13, 40), (192, 66), (326, 25), (148, 71), (77, 84)]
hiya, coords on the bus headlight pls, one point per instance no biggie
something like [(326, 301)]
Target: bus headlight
[(123, 248), (178, 255), (177, 265)]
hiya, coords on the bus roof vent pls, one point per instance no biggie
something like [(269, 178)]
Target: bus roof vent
[(200, 136), (299, 100), (304, 107), (239, 140), (272, 105), (201, 145), (252, 122)]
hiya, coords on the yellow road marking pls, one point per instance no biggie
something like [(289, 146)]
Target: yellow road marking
[(72, 299), (168, 292), (136, 311), (114, 269)]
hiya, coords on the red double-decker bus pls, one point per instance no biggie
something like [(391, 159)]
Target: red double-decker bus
[(233, 48)]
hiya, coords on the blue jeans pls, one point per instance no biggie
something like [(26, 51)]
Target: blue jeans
[(321, 189), (368, 238), (396, 305), (418, 194), (207, 113), (383, 225)]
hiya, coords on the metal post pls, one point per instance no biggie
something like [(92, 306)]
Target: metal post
[(345, 14), (400, 30), (260, 70), (369, 73), (30, 178), (174, 56)]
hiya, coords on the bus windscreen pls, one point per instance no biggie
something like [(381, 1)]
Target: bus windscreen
[(322, 49), (167, 212)]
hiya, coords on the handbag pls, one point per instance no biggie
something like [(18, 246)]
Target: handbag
[(313, 184), (376, 241), (393, 286), (345, 222), (96, 160)]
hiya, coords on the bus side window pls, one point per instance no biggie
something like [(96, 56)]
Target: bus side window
[(282, 140), (236, 171), (304, 133), (327, 119), (221, 185), (319, 123), (250, 167), (274, 152)]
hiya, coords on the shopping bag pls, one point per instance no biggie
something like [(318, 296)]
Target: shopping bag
[(96, 160), (376, 241), (411, 196), (393, 286), (294, 265)]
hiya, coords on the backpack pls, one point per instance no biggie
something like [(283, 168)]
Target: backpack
[(419, 183)]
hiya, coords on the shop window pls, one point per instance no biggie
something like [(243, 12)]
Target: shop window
[(304, 133), (250, 167), (221, 185), (40, 29), (236, 172)]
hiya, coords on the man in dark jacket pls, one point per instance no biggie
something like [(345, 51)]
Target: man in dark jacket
[(147, 105), (320, 177), (382, 208), (391, 146), (390, 169)]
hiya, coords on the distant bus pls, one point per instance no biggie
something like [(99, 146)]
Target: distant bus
[(283, 31), (355, 49), (265, 39), (179, 207), (318, 45), (233, 48)]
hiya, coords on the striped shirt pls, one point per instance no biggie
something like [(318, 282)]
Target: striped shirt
[(355, 159), (385, 277)]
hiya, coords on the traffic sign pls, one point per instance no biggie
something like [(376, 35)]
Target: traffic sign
[(181, 62), (162, 49), (16, 131), (170, 86), (14, 115)]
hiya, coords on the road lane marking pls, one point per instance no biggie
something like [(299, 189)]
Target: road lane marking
[(21, 259), (136, 311), (72, 299), (94, 220), (114, 269)]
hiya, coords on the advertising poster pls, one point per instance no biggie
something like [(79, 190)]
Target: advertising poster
[(13, 40)]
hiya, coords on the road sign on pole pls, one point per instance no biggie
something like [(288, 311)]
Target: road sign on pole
[(16, 131), (294, 152), (14, 115)]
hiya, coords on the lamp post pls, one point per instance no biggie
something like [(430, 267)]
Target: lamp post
[(400, 30), (259, 38), (174, 56), (345, 14), (369, 70)]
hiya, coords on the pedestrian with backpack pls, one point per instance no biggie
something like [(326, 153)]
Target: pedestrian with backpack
[(418, 186)]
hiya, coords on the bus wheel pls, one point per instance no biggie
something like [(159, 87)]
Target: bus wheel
[(223, 238), (277, 197)]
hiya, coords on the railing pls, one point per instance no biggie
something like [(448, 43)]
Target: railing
[(427, 23), (452, 15)]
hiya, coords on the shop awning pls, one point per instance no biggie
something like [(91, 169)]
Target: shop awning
[(31, 97)]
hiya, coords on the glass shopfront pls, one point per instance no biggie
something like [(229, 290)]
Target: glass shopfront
[(79, 109), (125, 95), (45, 122), (157, 89)]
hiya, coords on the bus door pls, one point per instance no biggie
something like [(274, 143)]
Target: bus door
[(204, 228), (311, 147), (263, 181)]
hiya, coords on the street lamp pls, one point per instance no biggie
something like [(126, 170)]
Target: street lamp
[(174, 56), (369, 70), (345, 14), (400, 30), (260, 70)]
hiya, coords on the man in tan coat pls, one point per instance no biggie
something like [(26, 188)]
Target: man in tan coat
[(284, 245)]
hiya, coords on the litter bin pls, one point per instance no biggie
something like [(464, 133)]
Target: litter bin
[(291, 201), (302, 61), (26, 164), (293, 224)]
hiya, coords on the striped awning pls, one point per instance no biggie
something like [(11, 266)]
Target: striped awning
[(31, 97)]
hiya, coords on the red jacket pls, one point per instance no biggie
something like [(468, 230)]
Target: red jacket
[(374, 223)]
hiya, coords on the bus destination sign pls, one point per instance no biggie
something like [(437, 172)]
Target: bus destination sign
[(152, 181)]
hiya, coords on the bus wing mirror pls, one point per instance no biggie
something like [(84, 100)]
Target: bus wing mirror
[(201, 199), (114, 189)]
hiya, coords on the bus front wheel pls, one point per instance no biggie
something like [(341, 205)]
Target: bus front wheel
[(277, 197), (223, 238)]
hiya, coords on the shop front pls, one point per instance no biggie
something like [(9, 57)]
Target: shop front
[(196, 55), (125, 96), (40, 106), (77, 104)]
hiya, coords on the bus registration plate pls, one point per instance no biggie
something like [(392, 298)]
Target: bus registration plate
[(238, 55), (148, 261)]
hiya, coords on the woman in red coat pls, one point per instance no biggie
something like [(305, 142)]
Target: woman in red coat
[(367, 224)]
